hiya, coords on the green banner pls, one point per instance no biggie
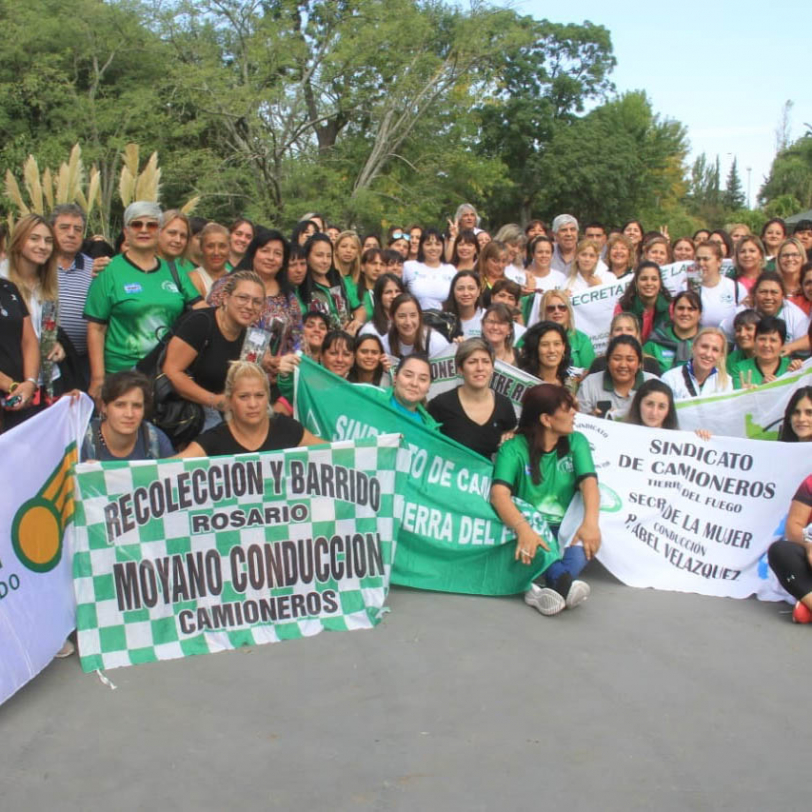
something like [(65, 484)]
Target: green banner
[(450, 539), (194, 556)]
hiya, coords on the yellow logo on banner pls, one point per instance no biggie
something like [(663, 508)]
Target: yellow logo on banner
[(39, 525)]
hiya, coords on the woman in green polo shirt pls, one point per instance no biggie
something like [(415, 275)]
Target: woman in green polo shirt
[(135, 299), (544, 464), (767, 363)]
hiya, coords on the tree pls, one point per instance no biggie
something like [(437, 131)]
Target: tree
[(733, 197), (328, 90), (545, 82), (618, 161), (790, 177)]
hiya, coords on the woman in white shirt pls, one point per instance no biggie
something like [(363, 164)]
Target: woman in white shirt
[(428, 278), (408, 334), (720, 295), (585, 273), (706, 372), (464, 302)]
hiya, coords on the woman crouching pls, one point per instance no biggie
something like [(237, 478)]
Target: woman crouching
[(543, 465)]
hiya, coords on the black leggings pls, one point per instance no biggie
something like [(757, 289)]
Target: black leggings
[(789, 562)]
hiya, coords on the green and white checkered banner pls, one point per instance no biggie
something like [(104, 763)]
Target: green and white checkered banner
[(195, 556)]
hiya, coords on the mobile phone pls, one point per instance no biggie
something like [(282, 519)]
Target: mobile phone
[(12, 401), (603, 407)]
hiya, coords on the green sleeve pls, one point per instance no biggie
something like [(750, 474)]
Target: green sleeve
[(285, 384), (188, 290), (526, 306), (582, 463), (368, 306), (509, 464), (99, 303), (351, 292), (583, 353)]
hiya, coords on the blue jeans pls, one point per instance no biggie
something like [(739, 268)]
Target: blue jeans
[(573, 562)]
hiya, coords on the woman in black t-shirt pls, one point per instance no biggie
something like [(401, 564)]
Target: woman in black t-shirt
[(473, 414), (206, 341), (19, 357), (250, 426)]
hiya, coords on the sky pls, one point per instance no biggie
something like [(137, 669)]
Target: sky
[(724, 70)]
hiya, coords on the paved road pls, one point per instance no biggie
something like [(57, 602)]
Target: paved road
[(637, 700)]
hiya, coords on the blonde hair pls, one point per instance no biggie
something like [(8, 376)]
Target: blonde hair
[(168, 217), (212, 228), (557, 294), (580, 248), (721, 364), (353, 269), (791, 241), (613, 240), (47, 274), (234, 279), (237, 370)]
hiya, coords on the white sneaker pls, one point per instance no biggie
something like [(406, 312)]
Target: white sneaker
[(579, 592), (546, 600)]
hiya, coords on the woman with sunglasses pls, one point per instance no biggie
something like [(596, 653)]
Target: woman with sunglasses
[(134, 300)]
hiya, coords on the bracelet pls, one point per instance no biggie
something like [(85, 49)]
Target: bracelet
[(32, 380), (14, 385)]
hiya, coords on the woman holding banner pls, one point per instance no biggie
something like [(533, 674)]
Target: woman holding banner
[(791, 558), (544, 465), (249, 426), (473, 414), (705, 373)]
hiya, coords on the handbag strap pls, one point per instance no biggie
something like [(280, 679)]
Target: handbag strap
[(688, 382)]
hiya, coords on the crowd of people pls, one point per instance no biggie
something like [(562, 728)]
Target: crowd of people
[(201, 326)]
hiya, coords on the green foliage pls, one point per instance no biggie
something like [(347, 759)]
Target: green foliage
[(373, 111), (613, 164), (733, 198), (790, 179), (545, 81)]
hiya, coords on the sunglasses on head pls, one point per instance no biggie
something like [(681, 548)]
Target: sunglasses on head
[(140, 225)]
